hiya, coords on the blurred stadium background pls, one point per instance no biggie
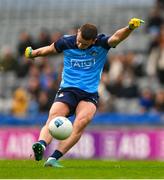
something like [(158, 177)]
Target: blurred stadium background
[(129, 123)]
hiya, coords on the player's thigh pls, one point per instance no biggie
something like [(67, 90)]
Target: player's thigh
[(58, 109), (84, 113)]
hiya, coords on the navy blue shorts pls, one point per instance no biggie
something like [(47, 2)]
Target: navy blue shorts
[(72, 97)]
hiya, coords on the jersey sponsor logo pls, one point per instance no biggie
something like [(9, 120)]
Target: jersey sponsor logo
[(82, 64)]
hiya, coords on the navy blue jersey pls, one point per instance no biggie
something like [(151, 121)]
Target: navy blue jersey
[(82, 68)]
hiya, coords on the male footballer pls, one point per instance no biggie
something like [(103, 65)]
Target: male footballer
[(84, 57)]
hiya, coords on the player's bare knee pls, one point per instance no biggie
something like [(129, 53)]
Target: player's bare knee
[(52, 115)]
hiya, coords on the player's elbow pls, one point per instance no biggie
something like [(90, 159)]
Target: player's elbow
[(114, 41), (52, 49)]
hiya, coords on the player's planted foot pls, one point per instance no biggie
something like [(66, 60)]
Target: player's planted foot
[(52, 162), (38, 151)]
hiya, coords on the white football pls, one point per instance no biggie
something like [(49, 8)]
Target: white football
[(60, 128)]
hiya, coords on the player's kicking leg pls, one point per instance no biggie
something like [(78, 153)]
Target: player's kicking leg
[(84, 114), (57, 109)]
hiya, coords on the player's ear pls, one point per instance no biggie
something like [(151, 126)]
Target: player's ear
[(94, 41), (78, 31)]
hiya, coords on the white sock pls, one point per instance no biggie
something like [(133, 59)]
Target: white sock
[(51, 158)]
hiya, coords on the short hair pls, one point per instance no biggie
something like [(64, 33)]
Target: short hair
[(88, 31)]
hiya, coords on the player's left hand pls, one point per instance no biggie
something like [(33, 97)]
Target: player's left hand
[(135, 23)]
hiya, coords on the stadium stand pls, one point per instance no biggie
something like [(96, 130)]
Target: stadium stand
[(18, 15), (52, 17)]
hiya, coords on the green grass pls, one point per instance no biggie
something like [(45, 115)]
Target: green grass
[(82, 169)]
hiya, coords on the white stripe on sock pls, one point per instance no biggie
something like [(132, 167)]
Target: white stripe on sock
[(44, 147)]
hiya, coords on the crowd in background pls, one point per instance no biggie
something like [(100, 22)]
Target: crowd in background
[(121, 77)]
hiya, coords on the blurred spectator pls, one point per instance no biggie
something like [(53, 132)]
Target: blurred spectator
[(34, 71), (146, 100), (159, 101), (8, 62), (116, 87), (154, 21), (155, 64), (33, 87), (33, 107), (136, 63), (73, 30), (122, 78), (23, 67), (44, 104), (19, 102), (49, 81), (25, 40), (44, 38), (105, 99), (47, 75), (55, 36), (160, 4), (116, 67), (154, 42)]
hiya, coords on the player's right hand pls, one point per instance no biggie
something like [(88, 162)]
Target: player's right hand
[(135, 23), (28, 52)]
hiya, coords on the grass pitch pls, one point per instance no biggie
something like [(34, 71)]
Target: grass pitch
[(82, 169)]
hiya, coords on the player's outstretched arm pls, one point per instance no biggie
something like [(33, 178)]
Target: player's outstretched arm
[(43, 51), (123, 33)]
